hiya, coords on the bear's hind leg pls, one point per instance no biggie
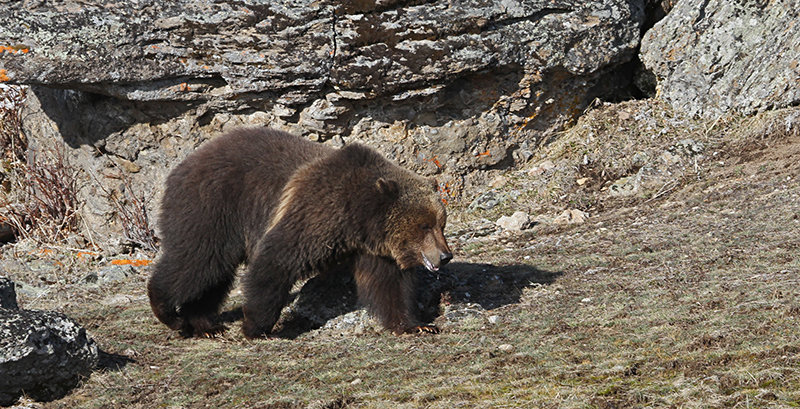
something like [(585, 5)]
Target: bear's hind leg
[(201, 316), (187, 295)]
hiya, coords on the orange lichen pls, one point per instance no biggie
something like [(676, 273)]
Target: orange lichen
[(134, 262), (184, 87), (435, 161), (487, 153), (4, 75), (444, 192), (14, 49), (82, 254)]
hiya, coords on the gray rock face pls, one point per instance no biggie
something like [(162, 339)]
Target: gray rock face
[(42, 353), (236, 53), (8, 296), (716, 56), (319, 65)]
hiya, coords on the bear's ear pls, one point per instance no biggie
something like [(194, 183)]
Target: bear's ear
[(388, 188)]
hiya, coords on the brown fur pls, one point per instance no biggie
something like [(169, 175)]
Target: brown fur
[(290, 208)]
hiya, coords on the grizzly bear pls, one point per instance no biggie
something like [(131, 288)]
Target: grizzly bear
[(290, 208)]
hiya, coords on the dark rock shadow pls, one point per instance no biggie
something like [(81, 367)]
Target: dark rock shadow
[(328, 296), (112, 362), (458, 98), (87, 118)]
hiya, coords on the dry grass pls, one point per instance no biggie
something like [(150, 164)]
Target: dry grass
[(46, 207), (690, 299)]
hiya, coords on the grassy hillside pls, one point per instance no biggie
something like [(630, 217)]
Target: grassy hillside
[(681, 289)]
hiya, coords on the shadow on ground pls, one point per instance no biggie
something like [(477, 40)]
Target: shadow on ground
[(112, 362), (326, 297)]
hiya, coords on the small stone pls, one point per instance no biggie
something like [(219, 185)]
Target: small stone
[(541, 168), (505, 347), (117, 299), (586, 300), (627, 186), (571, 216), (486, 201), (494, 319), (498, 182), (127, 165), (111, 273), (516, 222), (582, 181), (356, 381)]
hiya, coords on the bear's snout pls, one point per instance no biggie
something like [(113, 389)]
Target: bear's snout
[(445, 258)]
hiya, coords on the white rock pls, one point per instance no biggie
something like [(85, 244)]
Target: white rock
[(505, 347), (541, 168), (571, 216), (517, 221)]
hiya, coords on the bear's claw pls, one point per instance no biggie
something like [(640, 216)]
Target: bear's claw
[(424, 329)]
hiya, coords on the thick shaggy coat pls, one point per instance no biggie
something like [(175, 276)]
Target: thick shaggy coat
[(291, 208)]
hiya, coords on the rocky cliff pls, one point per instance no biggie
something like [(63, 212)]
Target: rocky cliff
[(442, 87)]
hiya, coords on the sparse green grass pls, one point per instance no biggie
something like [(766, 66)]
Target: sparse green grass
[(690, 300)]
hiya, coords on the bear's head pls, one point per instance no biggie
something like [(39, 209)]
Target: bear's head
[(415, 223)]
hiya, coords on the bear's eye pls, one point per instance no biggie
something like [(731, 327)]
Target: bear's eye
[(425, 226)]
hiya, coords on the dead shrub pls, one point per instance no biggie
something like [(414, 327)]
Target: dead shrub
[(39, 185), (131, 210), (46, 190), (13, 143)]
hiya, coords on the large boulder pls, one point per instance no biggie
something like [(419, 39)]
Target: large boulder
[(43, 354), (712, 57)]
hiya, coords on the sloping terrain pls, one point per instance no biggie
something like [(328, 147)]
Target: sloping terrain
[(680, 289)]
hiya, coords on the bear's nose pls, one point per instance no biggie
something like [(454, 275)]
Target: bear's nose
[(444, 258)]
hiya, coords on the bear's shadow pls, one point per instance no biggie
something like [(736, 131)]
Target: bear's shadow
[(328, 296)]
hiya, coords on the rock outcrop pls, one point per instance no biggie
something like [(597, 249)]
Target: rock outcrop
[(714, 56), (441, 87), (43, 354), (317, 58)]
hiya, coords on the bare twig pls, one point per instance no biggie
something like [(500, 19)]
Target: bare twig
[(132, 213), (46, 209)]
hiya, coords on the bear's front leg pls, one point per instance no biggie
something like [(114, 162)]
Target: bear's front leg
[(266, 287), (388, 292)]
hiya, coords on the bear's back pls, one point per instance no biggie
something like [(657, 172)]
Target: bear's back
[(234, 178)]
